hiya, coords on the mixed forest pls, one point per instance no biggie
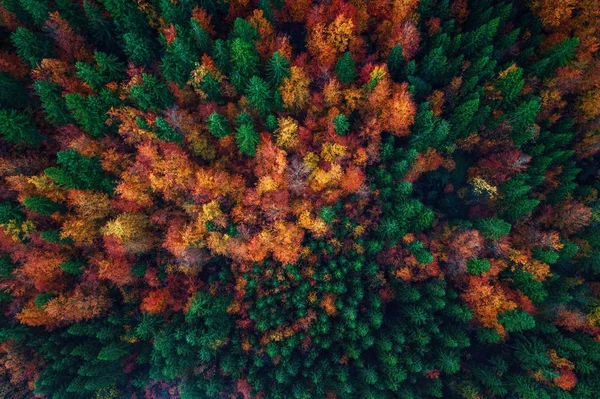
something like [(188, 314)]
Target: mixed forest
[(298, 199)]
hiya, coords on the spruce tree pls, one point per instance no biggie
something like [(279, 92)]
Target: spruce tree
[(18, 128), (344, 67)]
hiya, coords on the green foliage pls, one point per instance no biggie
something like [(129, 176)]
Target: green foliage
[(218, 125), (151, 94), (43, 205), (53, 102), (478, 266), (258, 94), (247, 139), (345, 68), (166, 132), (77, 171), (90, 111), (179, 60), (516, 320), (278, 68), (396, 62), (32, 47), (341, 124), (18, 128), (493, 227), (74, 267)]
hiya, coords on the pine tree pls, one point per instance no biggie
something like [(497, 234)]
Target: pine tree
[(258, 94), (90, 111), (344, 67), (179, 59), (79, 172), (151, 94), (396, 63), (341, 124), (278, 68), (138, 48), (43, 205), (37, 9), (493, 227), (218, 125), (166, 132), (17, 128), (31, 47), (478, 266), (247, 139), (53, 102)]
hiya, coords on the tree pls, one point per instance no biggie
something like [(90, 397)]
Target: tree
[(31, 47), (247, 139), (179, 59), (151, 94), (493, 227), (258, 94), (43, 205), (77, 171), (278, 68), (17, 128), (341, 124), (138, 48), (345, 68), (218, 125), (53, 102), (90, 111), (396, 63), (478, 266)]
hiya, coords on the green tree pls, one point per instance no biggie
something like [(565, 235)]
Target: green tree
[(341, 124), (151, 94), (31, 47), (43, 205), (166, 132), (478, 266), (344, 67), (493, 227), (396, 63), (77, 171), (53, 102), (218, 125), (278, 68), (90, 111), (138, 48), (247, 139), (179, 59), (258, 94), (17, 128), (38, 9), (108, 68)]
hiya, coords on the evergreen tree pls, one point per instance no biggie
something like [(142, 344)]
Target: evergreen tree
[(43, 205), (218, 125), (344, 67), (31, 47), (258, 94), (17, 128), (247, 139), (151, 94), (396, 62), (278, 68), (77, 171)]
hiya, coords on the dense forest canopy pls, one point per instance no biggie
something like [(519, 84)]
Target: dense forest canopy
[(300, 199)]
